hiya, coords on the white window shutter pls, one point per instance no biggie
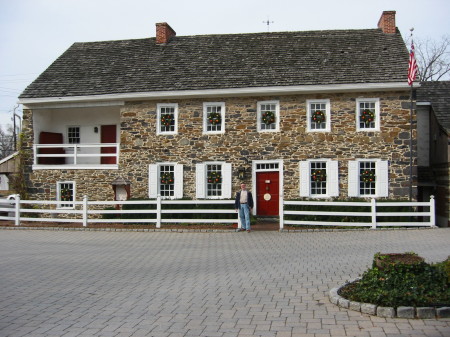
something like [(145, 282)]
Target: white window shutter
[(305, 182), (200, 181), (332, 178), (382, 178), (178, 175), (353, 178), (226, 180), (153, 181)]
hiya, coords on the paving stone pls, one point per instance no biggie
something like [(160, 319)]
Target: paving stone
[(426, 312), (443, 312), (406, 312), (111, 283), (385, 312), (367, 308)]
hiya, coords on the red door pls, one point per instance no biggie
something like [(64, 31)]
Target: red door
[(108, 135), (267, 193), (51, 138)]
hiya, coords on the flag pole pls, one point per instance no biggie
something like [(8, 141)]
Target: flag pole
[(411, 144), (412, 69)]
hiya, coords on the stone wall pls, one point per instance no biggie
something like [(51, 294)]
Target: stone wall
[(141, 146)]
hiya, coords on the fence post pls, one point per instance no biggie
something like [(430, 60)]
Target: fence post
[(373, 208), (158, 211), (282, 212), (432, 211), (17, 210), (85, 211)]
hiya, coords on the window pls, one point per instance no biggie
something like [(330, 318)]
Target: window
[(319, 178), (368, 178), (167, 119), (73, 134), (166, 180), (213, 180), (65, 194), (318, 115), (214, 117), (268, 116), (368, 114), (267, 166)]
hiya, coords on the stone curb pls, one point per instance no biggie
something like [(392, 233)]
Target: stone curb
[(387, 312), (187, 230)]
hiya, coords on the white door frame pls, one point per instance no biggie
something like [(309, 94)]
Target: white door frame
[(278, 168)]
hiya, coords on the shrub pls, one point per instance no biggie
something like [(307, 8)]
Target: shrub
[(401, 284)]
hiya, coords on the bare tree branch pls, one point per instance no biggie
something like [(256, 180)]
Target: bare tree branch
[(433, 58), (6, 142)]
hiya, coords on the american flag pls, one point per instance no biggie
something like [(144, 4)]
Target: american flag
[(412, 68)]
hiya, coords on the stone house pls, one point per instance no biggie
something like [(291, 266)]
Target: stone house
[(433, 132), (316, 114)]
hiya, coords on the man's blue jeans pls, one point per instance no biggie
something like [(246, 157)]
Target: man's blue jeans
[(244, 216)]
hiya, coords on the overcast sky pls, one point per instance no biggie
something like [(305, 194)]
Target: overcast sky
[(33, 33)]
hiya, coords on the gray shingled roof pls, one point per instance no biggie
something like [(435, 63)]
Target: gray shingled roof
[(438, 94), (225, 61)]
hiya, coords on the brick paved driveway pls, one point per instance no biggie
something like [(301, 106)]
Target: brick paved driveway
[(80, 283)]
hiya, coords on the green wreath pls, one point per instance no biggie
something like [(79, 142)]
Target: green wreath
[(318, 116), (66, 194), (268, 117), (319, 175), (368, 176), (167, 178), (167, 120), (214, 178), (367, 116), (214, 118)]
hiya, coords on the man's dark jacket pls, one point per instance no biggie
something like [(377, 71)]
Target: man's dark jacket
[(237, 201)]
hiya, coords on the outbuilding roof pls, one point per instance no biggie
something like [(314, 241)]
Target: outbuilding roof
[(225, 61), (438, 94)]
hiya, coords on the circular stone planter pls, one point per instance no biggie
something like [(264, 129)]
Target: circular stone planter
[(387, 312)]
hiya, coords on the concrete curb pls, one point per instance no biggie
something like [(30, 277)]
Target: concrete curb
[(387, 312)]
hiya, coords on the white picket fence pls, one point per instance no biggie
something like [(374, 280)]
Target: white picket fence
[(423, 214), (90, 212)]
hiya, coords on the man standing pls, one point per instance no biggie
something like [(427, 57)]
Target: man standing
[(244, 204)]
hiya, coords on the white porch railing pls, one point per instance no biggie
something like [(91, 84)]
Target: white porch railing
[(418, 214), (89, 212), (73, 154)]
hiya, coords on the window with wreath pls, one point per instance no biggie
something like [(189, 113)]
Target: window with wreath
[(213, 180), (368, 114), (268, 116), (319, 178), (167, 118), (318, 115), (65, 194), (166, 180), (368, 178), (214, 117)]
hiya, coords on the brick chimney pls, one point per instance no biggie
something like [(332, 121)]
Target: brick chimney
[(387, 22), (164, 33)]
